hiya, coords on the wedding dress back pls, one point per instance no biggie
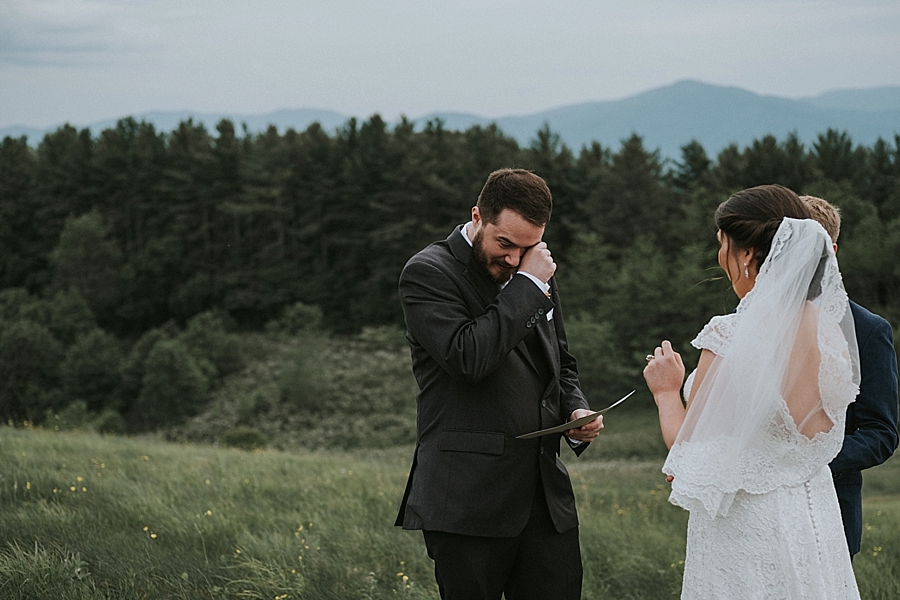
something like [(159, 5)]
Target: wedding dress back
[(770, 410)]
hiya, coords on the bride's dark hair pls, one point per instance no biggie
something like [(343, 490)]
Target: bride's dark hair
[(751, 217)]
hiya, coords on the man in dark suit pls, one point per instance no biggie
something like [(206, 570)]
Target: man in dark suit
[(489, 353), (871, 430)]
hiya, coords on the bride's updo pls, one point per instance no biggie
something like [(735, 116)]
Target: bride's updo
[(751, 217)]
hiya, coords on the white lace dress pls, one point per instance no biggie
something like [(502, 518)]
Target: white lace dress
[(783, 543)]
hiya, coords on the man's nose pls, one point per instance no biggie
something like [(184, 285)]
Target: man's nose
[(513, 258)]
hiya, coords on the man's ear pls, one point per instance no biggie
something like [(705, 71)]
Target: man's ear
[(476, 216)]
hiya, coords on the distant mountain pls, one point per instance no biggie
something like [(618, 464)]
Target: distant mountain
[(669, 117), (873, 100), (282, 119), (34, 134), (666, 118)]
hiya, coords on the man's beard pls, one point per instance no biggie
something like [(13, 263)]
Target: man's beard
[(485, 262)]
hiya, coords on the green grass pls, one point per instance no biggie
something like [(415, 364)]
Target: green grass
[(148, 519), (152, 519)]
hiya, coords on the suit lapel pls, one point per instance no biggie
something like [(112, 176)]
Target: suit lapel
[(462, 251)]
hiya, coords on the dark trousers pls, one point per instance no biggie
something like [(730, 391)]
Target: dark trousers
[(537, 564)]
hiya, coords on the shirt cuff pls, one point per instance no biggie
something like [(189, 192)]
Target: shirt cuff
[(544, 287)]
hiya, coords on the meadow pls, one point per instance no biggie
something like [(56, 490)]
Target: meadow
[(86, 516)]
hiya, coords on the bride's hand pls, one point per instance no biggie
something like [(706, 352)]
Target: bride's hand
[(665, 371)]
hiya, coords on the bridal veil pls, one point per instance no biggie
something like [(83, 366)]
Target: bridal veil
[(770, 410)]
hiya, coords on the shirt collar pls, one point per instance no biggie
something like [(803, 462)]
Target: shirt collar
[(465, 235)]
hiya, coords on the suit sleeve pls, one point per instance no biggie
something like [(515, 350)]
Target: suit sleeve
[(875, 408), (469, 346)]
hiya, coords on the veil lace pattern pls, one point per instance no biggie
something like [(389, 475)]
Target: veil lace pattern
[(739, 434)]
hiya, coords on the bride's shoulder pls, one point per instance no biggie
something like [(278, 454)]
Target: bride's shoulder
[(716, 335)]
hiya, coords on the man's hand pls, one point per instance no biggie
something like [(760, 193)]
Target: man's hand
[(538, 262), (585, 433)]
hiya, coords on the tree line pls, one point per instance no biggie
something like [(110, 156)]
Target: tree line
[(136, 241)]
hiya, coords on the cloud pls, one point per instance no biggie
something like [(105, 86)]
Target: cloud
[(71, 32)]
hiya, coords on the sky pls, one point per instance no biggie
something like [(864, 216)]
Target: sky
[(82, 61)]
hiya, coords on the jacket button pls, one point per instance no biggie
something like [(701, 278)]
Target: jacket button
[(540, 311), (528, 324), (533, 320), (544, 403)]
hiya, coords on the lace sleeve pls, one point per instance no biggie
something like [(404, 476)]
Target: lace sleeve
[(716, 335)]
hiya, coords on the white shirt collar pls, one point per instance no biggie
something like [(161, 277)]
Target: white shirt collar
[(464, 234)]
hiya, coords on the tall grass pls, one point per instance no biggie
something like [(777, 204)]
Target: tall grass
[(87, 516)]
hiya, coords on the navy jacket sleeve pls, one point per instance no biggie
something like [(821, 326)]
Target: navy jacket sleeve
[(872, 419)]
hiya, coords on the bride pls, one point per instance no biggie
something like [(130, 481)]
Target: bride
[(765, 412)]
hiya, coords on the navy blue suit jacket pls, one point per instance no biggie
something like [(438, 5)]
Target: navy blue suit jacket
[(871, 433)]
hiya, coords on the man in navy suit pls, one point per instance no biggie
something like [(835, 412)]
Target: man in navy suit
[(491, 360), (871, 433)]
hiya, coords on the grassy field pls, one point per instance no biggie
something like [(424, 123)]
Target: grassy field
[(86, 516)]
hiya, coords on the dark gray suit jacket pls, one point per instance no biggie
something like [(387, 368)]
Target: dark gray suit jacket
[(479, 387), (871, 433)]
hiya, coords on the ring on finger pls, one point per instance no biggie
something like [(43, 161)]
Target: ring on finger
[(650, 357)]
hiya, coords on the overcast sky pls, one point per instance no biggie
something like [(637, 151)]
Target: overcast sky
[(85, 60)]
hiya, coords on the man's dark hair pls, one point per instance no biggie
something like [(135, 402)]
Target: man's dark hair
[(519, 190)]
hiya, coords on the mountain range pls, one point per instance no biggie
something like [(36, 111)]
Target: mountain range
[(666, 118)]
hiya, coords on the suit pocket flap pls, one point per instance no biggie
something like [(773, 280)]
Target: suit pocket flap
[(480, 442)]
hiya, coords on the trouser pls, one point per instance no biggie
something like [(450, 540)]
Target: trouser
[(538, 564)]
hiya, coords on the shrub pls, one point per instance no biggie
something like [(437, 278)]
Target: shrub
[(110, 421), (301, 382), (66, 314), (593, 346), (295, 319), (73, 416), (16, 303), (133, 366), (90, 370), (173, 386), (69, 316), (245, 438), (29, 369), (208, 340)]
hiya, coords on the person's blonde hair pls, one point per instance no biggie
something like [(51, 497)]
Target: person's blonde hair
[(828, 215)]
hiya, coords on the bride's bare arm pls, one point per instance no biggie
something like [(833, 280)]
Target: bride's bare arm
[(664, 375), (706, 358)]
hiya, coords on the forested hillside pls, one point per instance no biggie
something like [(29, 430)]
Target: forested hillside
[(139, 251)]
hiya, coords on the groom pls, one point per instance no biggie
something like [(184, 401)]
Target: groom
[(489, 353), (871, 430)]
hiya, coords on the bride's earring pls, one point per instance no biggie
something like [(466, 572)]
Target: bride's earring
[(746, 271)]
